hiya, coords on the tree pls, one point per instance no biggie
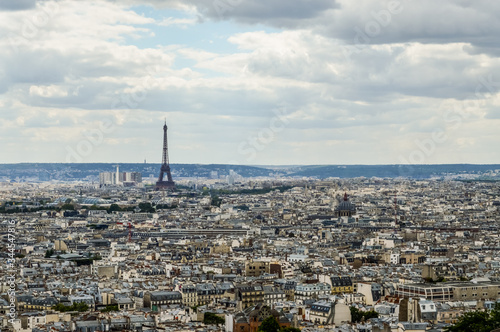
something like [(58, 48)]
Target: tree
[(146, 207), (68, 206), (114, 207), (80, 307), (216, 201), (110, 307), (270, 324), (370, 314), (60, 307), (211, 318), (49, 253), (477, 321), (357, 315)]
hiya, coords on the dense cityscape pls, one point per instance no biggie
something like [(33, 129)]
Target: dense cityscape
[(226, 253)]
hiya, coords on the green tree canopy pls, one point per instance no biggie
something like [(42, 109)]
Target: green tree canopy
[(114, 207), (80, 307), (110, 307), (370, 314), (290, 329), (477, 321), (358, 315), (211, 318), (68, 206), (49, 253), (146, 207), (270, 324), (216, 201)]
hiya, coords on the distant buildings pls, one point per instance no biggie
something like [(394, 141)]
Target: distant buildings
[(120, 178), (451, 291), (295, 254), (345, 208)]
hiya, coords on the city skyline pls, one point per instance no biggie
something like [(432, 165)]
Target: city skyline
[(239, 82)]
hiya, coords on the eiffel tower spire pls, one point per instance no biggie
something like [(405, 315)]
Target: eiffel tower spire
[(165, 166)]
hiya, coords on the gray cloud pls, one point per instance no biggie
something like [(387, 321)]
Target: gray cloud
[(368, 21), (273, 12), (17, 4)]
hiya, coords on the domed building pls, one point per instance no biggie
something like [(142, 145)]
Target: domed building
[(345, 208)]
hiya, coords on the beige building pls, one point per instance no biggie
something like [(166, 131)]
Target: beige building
[(154, 300), (256, 268), (475, 291), (189, 295), (451, 291), (249, 295), (60, 245), (329, 313), (411, 258)]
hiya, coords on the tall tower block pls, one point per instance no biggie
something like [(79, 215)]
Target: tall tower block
[(165, 166)]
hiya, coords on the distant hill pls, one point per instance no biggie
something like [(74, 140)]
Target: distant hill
[(394, 171), (59, 171), (90, 171)]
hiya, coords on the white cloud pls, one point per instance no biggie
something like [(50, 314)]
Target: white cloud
[(182, 22), (91, 61), (48, 91)]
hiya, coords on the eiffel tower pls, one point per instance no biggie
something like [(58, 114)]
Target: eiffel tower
[(165, 166)]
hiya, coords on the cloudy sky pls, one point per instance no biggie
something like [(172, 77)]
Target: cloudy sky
[(250, 81)]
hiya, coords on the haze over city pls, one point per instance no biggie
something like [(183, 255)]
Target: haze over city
[(250, 82)]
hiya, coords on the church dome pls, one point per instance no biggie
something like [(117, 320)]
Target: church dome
[(345, 208)]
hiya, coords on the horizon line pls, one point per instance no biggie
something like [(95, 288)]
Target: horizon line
[(251, 165)]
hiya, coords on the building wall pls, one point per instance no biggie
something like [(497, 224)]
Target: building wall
[(366, 290), (189, 298), (342, 314), (449, 316), (256, 268), (451, 291), (476, 292), (107, 271), (411, 258)]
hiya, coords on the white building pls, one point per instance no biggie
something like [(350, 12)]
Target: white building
[(329, 313), (311, 291), (120, 178)]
